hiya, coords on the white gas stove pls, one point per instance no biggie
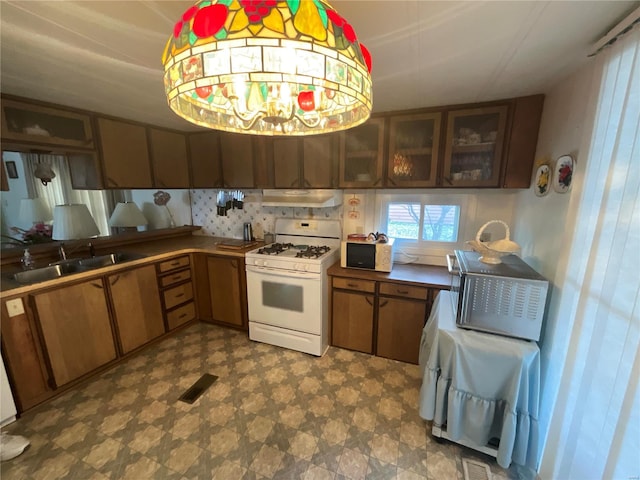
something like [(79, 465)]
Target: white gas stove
[(287, 286)]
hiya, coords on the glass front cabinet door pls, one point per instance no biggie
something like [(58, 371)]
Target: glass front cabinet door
[(413, 150), (362, 155), (473, 149)]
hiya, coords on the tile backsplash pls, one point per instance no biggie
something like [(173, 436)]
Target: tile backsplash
[(204, 214)]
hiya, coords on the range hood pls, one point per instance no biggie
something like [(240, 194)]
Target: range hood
[(302, 198)]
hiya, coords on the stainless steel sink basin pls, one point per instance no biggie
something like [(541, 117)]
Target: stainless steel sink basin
[(68, 267), (39, 274)]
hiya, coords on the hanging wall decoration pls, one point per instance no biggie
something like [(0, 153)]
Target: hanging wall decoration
[(563, 174), (543, 180)]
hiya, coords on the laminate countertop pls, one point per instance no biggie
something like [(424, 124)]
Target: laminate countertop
[(153, 251), (420, 275)]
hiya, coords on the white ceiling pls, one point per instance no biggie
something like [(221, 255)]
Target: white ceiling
[(104, 56)]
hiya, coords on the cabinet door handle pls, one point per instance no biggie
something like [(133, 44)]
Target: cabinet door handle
[(234, 264), (294, 183), (306, 183), (448, 180), (390, 180), (383, 303), (369, 301), (377, 182), (97, 285), (115, 280), (112, 182)]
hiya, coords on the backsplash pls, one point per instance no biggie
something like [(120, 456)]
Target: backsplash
[(204, 214)]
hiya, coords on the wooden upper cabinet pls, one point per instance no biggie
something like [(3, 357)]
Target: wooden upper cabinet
[(287, 153), (169, 158), (473, 146), (206, 164), (320, 161), (237, 160), (38, 124), (362, 155), (413, 150), (522, 141), (124, 153), (306, 162)]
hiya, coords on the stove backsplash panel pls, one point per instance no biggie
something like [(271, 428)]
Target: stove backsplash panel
[(204, 214)]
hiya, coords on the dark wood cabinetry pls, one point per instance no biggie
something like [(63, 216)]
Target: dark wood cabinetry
[(169, 158), (309, 162), (362, 155), (76, 329), (227, 290), (136, 307), (178, 299), (125, 154), (237, 160), (373, 315), (205, 161)]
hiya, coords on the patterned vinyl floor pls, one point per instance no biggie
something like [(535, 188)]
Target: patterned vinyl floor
[(272, 414)]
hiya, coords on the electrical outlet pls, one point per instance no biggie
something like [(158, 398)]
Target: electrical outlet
[(15, 307)]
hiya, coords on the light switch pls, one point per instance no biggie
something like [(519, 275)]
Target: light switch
[(15, 307)]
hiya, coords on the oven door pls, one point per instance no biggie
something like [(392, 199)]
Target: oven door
[(291, 300)]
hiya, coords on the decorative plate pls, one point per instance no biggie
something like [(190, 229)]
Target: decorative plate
[(563, 174), (543, 180)]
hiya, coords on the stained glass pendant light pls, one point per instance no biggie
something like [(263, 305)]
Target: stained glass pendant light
[(267, 67)]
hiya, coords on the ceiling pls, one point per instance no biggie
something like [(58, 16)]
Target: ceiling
[(104, 56)]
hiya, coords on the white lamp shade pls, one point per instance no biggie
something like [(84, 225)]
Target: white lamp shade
[(73, 222), (33, 210), (127, 215)]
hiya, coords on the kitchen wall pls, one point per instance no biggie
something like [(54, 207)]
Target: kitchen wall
[(543, 225), (484, 205)]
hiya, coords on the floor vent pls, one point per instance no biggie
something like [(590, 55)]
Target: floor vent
[(475, 470), (198, 388)]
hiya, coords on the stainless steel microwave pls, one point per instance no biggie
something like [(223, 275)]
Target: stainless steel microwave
[(508, 298), (367, 254)]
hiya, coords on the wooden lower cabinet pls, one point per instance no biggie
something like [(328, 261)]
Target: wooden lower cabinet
[(227, 290), (400, 324), (378, 317), (353, 321), (76, 329), (23, 356), (136, 306)]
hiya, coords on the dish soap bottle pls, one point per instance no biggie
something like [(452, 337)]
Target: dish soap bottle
[(27, 260)]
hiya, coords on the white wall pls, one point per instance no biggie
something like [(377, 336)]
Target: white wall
[(543, 227)]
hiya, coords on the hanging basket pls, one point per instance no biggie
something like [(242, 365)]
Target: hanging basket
[(492, 252)]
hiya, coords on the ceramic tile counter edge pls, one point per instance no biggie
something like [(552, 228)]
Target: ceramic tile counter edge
[(154, 251)]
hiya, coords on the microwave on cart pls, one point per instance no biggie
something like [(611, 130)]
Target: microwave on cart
[(508, 298)]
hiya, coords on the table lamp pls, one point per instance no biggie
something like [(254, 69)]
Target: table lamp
[(33, 210), (73, 222), (127, 217)]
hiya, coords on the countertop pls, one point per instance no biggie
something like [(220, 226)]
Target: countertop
[(420, 275), (155, 250)]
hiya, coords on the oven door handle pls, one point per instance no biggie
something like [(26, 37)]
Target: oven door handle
[(451, 264), (282, 273)]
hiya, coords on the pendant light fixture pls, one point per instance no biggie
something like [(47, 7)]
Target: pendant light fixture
[(267, 67)]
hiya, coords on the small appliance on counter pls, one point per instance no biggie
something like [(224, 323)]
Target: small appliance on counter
[(370, 252), (508, 298)]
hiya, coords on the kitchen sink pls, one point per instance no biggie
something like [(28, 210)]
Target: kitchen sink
[(71, 266)]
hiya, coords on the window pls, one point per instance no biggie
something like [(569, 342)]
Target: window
[(422, 222)]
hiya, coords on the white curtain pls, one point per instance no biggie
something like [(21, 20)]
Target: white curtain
[(595, 425), (60, 191)]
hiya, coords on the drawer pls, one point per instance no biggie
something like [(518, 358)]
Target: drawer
[(177, 295), (173, 264), (407, 291), (174, 278), (181, 315), (354, 284)]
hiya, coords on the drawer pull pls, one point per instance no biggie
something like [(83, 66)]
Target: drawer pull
[(176, 277), (352, 285), (175, 264), (183, 315), (180, 295), (403, 292)]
